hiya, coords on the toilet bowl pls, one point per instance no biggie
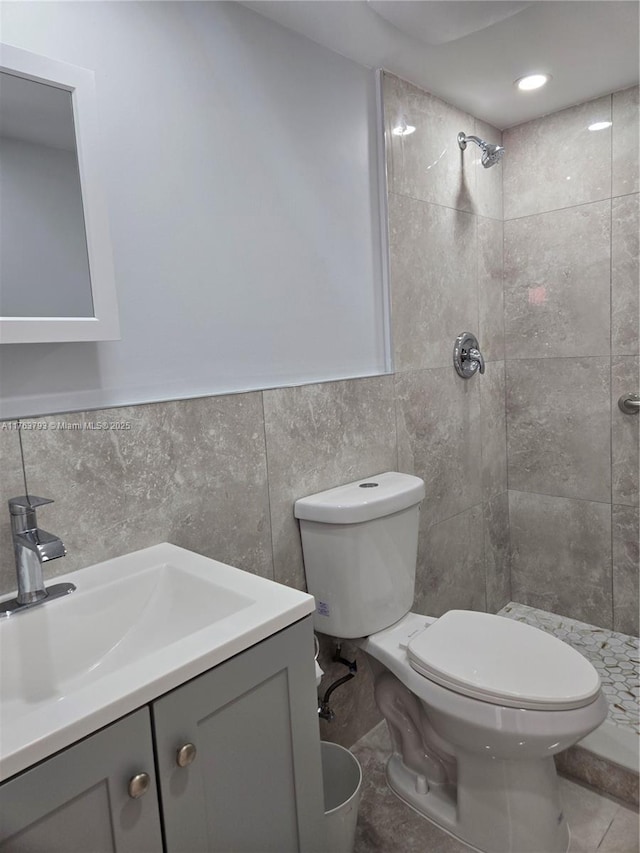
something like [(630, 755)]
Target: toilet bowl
[(481, 769), (477, 705)]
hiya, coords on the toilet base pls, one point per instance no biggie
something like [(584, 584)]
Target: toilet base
[(496, 807)]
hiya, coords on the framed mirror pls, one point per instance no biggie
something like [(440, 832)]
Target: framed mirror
[(56, 267)]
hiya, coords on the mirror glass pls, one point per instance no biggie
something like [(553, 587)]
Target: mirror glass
[(44, 266)]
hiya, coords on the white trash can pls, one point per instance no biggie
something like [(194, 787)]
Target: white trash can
[(342, 781)]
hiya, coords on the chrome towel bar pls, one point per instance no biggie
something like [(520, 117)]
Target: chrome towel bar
[(629, 404)]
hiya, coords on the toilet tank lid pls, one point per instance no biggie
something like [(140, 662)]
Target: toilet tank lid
[(364, 500)]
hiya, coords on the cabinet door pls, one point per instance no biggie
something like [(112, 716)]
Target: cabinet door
[(255, 784), (78, 800)]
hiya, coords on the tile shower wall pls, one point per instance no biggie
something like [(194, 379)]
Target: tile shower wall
[(219, 475), (445, 227), (571, 347)]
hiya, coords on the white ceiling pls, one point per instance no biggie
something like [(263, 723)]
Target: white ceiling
[(470, 53)]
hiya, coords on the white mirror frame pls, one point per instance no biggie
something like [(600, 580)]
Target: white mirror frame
[(104, 324)]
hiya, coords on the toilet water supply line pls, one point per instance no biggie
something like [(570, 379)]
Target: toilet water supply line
[(325, 711)]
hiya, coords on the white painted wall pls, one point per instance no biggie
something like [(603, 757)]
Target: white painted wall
[(44, 269), (240, 170)]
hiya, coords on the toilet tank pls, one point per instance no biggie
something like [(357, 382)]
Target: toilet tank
[(360, 543)]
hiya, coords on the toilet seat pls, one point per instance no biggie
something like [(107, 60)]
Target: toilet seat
[(503, 662)]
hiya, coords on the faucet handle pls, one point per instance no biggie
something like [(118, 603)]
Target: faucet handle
[(24, 503), (474, 354), (467, 358)]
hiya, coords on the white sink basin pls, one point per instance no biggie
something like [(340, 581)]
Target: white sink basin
[(136, 627)]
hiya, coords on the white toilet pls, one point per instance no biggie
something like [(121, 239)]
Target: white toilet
[(477, 705)]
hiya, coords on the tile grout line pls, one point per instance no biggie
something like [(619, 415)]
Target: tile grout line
[(443, 206), (22, 462), (558, 209), (266, 470), (395, 411), (506, 390), (482, 402), (611, 413)]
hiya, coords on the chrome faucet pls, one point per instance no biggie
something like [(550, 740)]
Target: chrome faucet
[(32, 547)]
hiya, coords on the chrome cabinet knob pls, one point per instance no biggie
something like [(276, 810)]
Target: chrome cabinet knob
[(186, 755), (139, 785)]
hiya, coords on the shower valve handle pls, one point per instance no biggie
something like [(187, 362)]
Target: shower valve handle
[(475, 355), (467, 358)]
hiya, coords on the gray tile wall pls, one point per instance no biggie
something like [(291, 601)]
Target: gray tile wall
[(445, 225), (217, 475), (571, 335)]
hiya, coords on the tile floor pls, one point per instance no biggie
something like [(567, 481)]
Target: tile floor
[(387, 825)]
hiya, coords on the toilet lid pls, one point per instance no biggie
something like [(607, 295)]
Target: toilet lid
[(503, 662)]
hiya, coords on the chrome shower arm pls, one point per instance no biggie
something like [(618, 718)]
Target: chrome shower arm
[(491, 153), (463, 139)]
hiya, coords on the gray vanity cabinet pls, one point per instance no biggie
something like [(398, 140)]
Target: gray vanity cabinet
[(79, 799), (254, 781), (237, 753)]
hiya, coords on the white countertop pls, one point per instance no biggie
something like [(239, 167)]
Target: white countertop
[(136, 627)]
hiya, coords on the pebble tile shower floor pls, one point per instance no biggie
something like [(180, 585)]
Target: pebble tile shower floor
[(615, 656)]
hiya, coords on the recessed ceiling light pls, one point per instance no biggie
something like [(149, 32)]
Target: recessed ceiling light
[(403, 129), (532, 81), (600, 125)]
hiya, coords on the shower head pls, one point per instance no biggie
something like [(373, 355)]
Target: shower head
[(491, 154)]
